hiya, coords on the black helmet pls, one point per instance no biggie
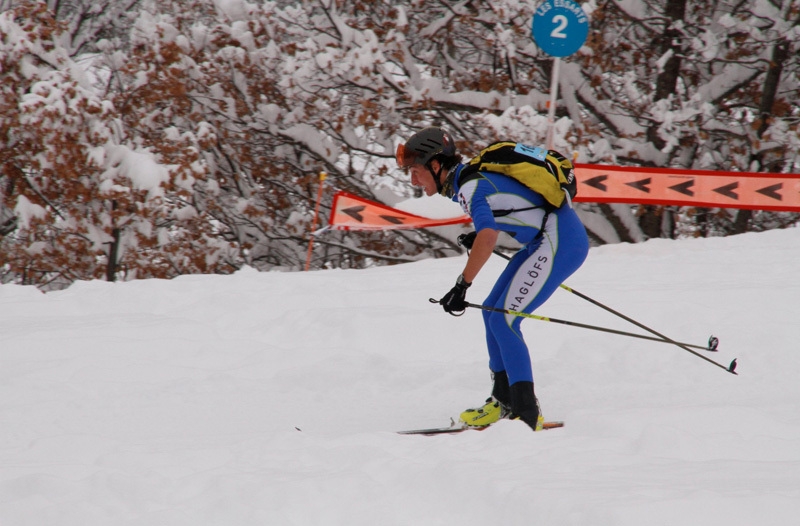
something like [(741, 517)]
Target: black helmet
[(423, 146)]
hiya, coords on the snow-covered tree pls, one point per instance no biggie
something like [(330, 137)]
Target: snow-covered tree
[(159, 137), (689, 84), (89, 200)]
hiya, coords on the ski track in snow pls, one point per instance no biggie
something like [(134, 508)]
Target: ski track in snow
[(272, 398)]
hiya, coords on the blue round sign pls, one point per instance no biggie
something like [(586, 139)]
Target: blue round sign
[(560, 27)]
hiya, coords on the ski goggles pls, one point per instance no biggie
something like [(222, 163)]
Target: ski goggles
[(405, 158)]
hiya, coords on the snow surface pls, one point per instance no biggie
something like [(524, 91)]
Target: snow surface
[(431, 206), (272, 398)]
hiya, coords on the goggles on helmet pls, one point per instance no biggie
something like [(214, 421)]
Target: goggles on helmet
[(405, 157)]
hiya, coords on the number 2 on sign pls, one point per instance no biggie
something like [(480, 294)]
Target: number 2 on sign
[(558, 32)]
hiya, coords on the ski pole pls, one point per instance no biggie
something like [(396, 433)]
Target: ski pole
[(731, 368), (712, 346), (713, 341)]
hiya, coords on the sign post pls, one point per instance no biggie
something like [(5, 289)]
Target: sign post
[(559, 28)]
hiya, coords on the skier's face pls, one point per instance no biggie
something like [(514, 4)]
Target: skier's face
[(421, 176)]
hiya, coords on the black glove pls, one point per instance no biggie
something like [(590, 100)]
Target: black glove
[(454, 301), (466, 240)]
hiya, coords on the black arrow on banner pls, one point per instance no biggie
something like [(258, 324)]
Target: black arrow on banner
[(353, 212), (641, 185), (728, 190), (393, 219), (772, 191), (684, 188), (597, 182)]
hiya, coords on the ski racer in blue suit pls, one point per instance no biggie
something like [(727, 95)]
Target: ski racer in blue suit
[(555, 245)]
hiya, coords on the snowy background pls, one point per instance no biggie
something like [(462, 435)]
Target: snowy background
[(273, 398)]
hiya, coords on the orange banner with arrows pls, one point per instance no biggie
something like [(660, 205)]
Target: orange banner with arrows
[(350, 212), (609, 184), (666, 186)]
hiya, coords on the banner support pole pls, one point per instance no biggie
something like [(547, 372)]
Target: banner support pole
[(322, 176)]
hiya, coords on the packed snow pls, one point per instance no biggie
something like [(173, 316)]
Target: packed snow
[(274, 398)]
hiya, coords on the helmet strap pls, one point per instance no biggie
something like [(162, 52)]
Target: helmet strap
[(437, 177)]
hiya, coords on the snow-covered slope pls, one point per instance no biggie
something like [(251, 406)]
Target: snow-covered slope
[(272, 398)]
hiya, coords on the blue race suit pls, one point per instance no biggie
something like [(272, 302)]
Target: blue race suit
[(534, 273)]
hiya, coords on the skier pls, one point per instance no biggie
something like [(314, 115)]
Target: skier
[(554, 246)]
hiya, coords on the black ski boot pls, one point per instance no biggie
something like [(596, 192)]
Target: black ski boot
[(500, 390), (525, 406)]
